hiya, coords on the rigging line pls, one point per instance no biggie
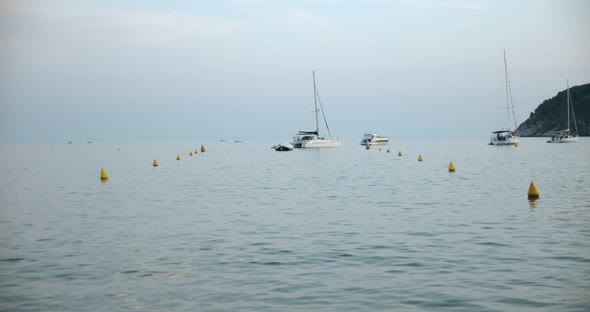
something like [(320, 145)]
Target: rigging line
[(323, 114), (573, 115)]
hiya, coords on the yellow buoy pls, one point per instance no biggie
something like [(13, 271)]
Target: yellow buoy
[(155, 164), (178, 157), (190, 154), (195, 151), (516, 144), (420, 157), (103, 174), (451, 167), (379, 149), (367, 146), (203, 148), (533, 191), (399, 153), (388, 150)]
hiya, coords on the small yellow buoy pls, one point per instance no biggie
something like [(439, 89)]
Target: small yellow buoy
[(367, 146), (195, 151), (203, 148), (516, 144), (103, 174), (379, 149), (155, 164), (420, 157), (178, 157), (533, 191), (190, 154), (388, 150), (451, 167), (399, 153)]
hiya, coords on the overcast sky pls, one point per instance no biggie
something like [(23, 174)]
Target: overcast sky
[(242, 69)]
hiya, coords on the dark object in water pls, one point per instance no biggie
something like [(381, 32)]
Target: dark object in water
[(283, 147)]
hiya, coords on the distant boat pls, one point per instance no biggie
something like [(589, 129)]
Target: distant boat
[(237, 141), (506, 136), (374, 139), (309, 139), (565, 136)]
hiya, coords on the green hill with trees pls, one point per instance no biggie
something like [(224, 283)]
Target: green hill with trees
[(551, 115)]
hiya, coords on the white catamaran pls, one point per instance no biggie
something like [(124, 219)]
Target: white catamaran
[(307, 139), (506, 136), (566, 136)]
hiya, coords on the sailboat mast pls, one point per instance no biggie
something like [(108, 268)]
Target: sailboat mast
[(568, 103), (509, 101), (315, 101), (507, 92)]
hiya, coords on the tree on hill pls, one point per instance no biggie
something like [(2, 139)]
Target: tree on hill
[(551, 115)]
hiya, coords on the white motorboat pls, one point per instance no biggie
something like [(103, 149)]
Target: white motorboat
[(310, 139), (566, 136), (506, 136), (374, 139)]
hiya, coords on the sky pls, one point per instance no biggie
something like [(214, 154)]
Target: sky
[(242, 69)]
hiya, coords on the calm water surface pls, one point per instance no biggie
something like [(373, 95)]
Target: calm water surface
[(244, 228)]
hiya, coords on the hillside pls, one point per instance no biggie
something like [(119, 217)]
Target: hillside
[(551, 115)]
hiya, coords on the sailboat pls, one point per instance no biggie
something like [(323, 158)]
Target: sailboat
[(565, 136), (506, 136), (308, 139)]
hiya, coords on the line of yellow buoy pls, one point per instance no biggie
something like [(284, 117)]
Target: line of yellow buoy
[(533, 192), (104, 176)]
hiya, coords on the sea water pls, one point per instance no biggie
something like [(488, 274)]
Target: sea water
[(244, 228)]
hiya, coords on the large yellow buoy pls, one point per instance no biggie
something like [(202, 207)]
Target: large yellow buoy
[(103, 174), (367, 146), (533, 191), (388, 151), (399, 153), (451, 167), (178, 157), (155, 164), (203, 148), (190, 154), (420, 157)]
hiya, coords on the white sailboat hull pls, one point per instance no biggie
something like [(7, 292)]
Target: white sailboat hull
[(572, 139), (507, 141)]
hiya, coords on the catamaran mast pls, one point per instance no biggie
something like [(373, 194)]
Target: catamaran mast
[(315, 101)]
